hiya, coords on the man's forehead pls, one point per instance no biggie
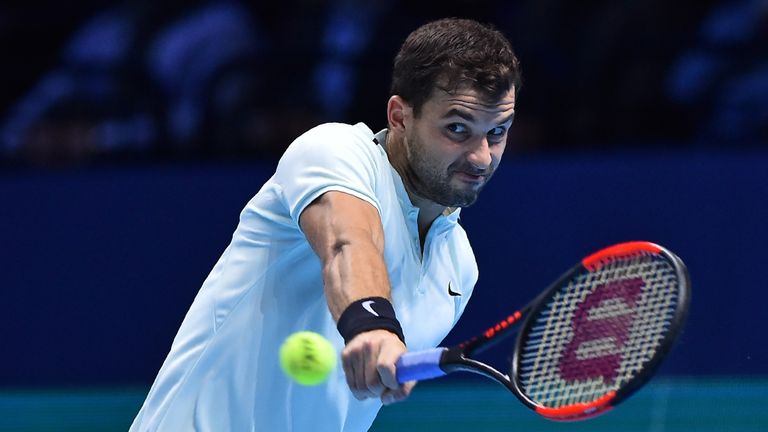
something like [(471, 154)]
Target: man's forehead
[(469, 98)]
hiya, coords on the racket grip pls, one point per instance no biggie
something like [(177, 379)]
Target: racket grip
[(419, 365)]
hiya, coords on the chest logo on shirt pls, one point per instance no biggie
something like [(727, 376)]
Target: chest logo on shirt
[(367, 306), (451, 292)]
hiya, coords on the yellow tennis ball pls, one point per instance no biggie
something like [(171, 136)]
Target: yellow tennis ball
[(307, 358)]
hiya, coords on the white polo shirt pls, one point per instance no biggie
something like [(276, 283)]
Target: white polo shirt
[(223, 373)]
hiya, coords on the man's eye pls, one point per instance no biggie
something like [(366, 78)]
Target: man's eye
[(496, 135), (457, 128), (497, 132)]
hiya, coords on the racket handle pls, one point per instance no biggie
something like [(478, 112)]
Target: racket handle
[(419, 365)]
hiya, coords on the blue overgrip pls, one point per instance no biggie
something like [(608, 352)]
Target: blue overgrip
[(419, 365)]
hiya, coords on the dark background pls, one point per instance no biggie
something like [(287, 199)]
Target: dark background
[(131, 135)]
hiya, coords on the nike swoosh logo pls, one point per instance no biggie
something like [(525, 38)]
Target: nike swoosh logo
[(451, 292), (367, 306)]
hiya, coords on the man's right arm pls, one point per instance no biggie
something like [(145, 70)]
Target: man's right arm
[(347, 234)]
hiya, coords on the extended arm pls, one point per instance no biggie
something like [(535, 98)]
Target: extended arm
[(347, 234)]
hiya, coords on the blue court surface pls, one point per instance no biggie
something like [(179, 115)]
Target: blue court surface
[(680, 404)]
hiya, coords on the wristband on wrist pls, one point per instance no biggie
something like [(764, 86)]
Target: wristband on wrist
[(371, 313)]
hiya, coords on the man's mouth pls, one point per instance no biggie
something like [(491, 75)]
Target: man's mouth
[(471, 177)]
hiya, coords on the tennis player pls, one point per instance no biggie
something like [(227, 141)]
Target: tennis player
[(356, 237)]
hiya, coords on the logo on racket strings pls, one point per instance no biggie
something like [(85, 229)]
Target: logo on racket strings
[(601, 324)]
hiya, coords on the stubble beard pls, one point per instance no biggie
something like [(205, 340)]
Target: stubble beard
[(431, 182)]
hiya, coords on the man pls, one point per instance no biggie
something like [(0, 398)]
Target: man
[(355, 237)]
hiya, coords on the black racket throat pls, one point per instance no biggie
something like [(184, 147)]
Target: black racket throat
[(493, 335), (454, 360)]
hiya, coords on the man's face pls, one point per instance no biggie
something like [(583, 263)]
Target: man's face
[(456, 143)]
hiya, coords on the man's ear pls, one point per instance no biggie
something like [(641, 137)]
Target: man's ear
[(399, 113)]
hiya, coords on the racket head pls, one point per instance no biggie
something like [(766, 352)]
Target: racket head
[(600, 331)]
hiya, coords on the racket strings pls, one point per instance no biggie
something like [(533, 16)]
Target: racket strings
[(598, 331)]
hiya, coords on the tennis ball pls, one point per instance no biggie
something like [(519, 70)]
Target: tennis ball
[(307, 358)]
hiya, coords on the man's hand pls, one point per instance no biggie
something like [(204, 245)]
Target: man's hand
[(369, 365)]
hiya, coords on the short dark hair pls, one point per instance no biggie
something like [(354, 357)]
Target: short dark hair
[(452, 52)]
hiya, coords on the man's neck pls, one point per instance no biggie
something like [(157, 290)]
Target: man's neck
[(428, 210)]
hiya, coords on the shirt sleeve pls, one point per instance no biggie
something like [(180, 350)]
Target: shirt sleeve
[(330, 157)]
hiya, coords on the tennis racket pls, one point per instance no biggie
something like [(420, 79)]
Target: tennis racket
[(588, 342)]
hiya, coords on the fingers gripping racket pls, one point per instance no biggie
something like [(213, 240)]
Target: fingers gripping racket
[(588, 342)]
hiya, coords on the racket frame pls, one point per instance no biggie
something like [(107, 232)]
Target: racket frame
[(591, 263)]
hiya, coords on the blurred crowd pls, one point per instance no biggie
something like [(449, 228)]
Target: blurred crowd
[(171, 80)]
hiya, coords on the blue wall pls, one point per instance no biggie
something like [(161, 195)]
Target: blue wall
[(99, 266)]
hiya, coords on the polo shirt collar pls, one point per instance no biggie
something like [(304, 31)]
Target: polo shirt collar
[(449, 216)]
